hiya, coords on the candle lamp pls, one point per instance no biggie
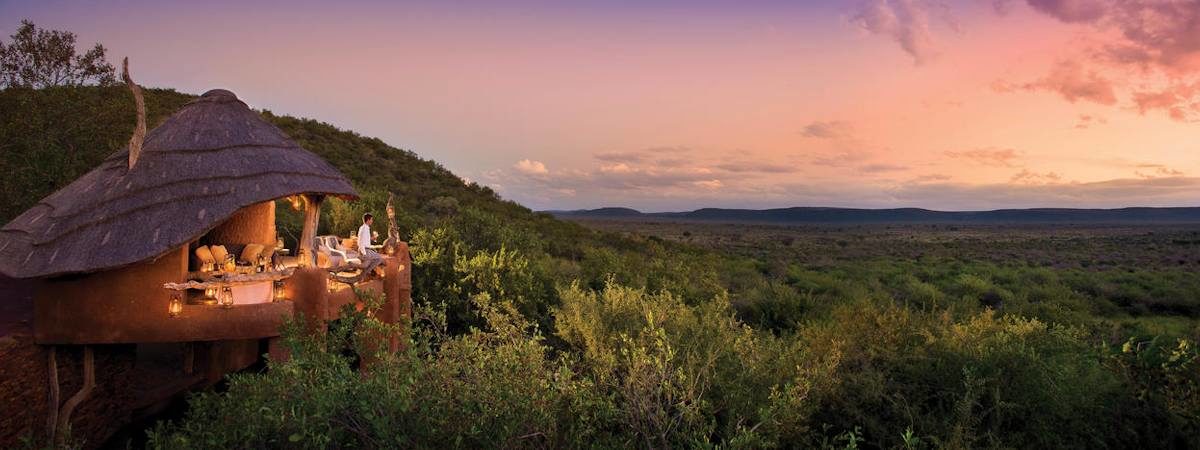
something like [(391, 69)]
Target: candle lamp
[(278, 293), (176, 306), (226, 299)]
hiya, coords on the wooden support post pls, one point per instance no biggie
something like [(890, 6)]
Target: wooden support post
[(52, 420), (312, 215), (89, 383)]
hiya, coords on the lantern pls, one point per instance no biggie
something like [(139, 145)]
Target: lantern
[(226, 298), (230, 264), (176, 306), (210, 294), (278, 294)]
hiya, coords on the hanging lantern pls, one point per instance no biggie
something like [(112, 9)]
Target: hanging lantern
[(226, 298), (278, 293), (176, 306), (297, 202)]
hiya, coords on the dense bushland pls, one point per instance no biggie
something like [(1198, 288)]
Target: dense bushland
[(533, 332)]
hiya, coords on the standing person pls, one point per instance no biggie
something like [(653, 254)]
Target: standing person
[(370, 259)]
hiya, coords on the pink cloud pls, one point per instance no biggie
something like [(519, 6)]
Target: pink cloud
[(1025, 176), (1177, 100), (530, 167), (1074, 82), (992, 156), (1071, 11), (1087, 121), (904, 21), (1148, 37), (834, 129)]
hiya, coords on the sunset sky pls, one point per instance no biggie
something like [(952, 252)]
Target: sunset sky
[(676, 105)]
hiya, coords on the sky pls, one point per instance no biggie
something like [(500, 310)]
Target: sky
[(677, 105)]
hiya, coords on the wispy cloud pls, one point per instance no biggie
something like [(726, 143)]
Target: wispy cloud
[(833, 129), (1025, 176), (641, 155), (905, 21), (755, 166), (881, 168), (1147, 38), (1072, 81), (530, 167), (992, 156), (1086, 121), (1156, 171)]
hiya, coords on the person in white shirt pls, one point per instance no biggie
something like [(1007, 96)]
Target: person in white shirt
[(370, 258)]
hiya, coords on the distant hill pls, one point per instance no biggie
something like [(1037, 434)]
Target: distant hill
[(816, 215)]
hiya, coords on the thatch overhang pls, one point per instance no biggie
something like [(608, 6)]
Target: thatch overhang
[(208, 160)]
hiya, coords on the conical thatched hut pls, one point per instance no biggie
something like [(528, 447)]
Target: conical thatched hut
[(212, 158), (107, 243)]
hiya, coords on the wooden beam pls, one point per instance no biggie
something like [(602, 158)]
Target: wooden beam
[(312, 214)]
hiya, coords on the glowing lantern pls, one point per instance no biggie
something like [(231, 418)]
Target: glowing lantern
[(226, 298), (278, 293), (210, 294), (176, 305), (230, 264)]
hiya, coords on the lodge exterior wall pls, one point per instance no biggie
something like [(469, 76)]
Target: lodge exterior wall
[(129, 305), (254, 224)]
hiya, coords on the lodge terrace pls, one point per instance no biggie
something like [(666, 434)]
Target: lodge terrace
[(161, 270)]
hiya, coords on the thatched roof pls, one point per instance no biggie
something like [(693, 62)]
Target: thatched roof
[(211, 158)]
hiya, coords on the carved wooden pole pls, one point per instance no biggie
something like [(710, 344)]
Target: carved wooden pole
[(312, 214), (393, 232), (52, 420), (89, 383), (139, 133)]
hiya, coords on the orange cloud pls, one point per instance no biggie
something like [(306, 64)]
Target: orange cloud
[(1004, 157)]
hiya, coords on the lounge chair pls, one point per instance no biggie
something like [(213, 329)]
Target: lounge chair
[(337, 255)]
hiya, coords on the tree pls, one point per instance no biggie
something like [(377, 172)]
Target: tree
[(46, 58)]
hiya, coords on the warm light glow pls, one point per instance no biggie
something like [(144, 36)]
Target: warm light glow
[(279, 293), (226, 299), (176, 306), (210, 293), (297, 202)]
